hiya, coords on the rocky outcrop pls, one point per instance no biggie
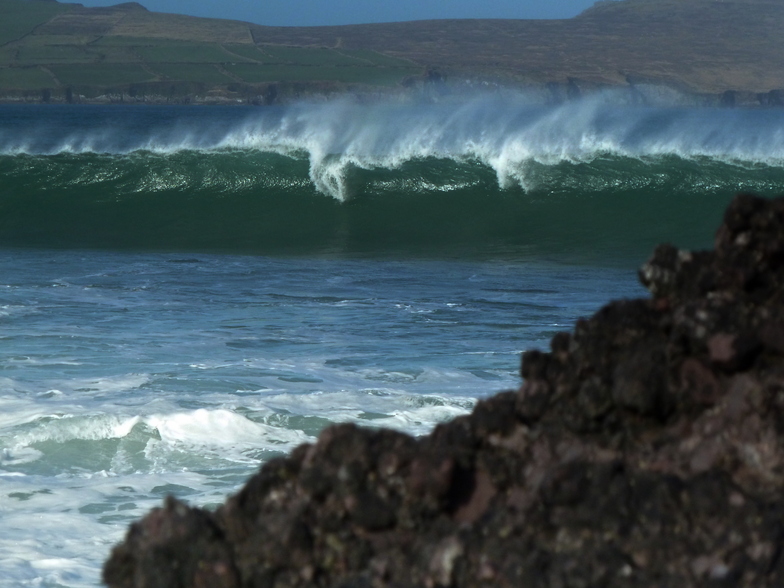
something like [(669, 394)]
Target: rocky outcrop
[(646, 448)]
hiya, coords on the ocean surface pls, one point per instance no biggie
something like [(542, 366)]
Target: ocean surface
[(186, 292)]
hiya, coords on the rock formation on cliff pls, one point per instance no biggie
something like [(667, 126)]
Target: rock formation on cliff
[(645, 449)]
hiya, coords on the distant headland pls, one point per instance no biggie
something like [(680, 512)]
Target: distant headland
[(713, 52)]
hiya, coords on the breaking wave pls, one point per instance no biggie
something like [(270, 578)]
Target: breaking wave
[(488, 171)]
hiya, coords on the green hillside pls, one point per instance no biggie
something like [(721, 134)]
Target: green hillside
[(18, 19), (80, 52), (731, 50)]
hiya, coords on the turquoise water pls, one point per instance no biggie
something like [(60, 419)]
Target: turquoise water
[(186, 292)]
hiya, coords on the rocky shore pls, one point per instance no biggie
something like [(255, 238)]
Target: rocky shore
[(646, 448), (417, 88)]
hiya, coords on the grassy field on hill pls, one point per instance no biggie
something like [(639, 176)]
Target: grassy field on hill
[(59, 51), (46, 46), (18, 19)]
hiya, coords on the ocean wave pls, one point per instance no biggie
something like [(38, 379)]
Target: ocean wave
[(155, 442), (490, 173), (507, 133), (256, 202), (190, 438)]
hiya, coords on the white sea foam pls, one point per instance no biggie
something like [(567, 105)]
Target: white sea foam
[(217, 433), (508, 133), (62, 428), (110, 384), (221, 429), (381, 406), (105, 408), (96, 507), (57, 531)]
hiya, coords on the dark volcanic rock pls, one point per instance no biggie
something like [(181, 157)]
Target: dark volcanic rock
[(645, 449)]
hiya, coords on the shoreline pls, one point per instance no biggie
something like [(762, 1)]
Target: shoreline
[(646, 447), (277, 94)]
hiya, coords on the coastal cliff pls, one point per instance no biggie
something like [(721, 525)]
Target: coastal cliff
[(645, 448)]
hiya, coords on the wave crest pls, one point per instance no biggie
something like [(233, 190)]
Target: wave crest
[(507, 133)]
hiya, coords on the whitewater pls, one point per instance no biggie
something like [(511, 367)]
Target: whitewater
[(507, 133), (187, 292)]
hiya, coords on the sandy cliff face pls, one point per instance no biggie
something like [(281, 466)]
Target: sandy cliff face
[(646, 448)]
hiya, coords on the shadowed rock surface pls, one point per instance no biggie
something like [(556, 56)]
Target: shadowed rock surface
[(645, 449)]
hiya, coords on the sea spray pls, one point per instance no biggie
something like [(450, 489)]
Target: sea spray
[(506, 133), (483, 175)]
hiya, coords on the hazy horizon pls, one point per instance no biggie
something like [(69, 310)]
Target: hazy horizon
[(339, 12)]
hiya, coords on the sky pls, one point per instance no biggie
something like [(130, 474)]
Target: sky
[(337, 12)]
